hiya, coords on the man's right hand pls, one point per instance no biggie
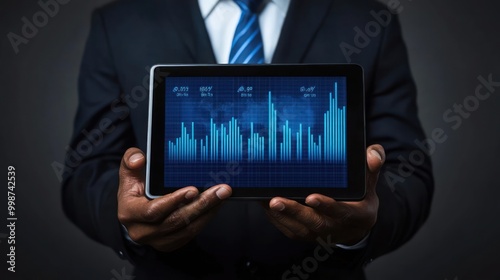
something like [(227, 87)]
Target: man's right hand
[(168, 222)]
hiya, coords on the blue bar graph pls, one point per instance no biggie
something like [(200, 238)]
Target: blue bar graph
[(255, 146), (334, 131), (272, 130), (225, 142)]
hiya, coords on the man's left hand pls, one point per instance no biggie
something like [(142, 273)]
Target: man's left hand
[(346, 222)]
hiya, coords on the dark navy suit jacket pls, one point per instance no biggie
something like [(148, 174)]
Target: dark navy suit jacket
[(127, 37)]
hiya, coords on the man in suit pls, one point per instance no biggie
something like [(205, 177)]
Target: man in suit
[(191, 235)]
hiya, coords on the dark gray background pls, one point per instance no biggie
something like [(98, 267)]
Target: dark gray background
[(450, 42)]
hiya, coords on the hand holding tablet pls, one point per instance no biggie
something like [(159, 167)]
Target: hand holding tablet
[(265, 130), (168, 222), (182, 214)]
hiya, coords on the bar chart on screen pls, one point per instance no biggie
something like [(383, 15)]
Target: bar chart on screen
[(277, 140)]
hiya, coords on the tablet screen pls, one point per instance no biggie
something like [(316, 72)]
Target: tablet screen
[(255, 131), (267, 130)]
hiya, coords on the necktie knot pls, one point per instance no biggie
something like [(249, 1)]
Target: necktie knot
[(249, 5)]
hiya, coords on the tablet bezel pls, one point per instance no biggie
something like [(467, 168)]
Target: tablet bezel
[(355, 138)]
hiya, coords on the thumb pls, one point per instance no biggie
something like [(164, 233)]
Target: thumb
[(131, 172), (375, 158)]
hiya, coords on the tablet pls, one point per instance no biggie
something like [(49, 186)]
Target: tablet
[(265, 130)]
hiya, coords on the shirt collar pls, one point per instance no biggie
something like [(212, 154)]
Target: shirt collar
[(282, 4), (206, 6)]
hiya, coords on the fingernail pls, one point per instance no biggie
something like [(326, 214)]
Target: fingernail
[(190, 195), (135, 157), (222, 193), (279, 206), (313, 203), (376, 154)]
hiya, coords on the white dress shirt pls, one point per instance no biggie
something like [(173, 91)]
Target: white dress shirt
[(222, 16)]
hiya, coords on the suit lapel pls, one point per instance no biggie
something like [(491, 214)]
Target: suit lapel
[(185, 17), (303, 20)]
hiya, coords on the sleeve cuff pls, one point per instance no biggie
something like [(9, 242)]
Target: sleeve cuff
[(132, 245), (360, 245)]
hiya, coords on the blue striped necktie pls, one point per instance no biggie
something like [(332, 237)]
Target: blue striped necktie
[(247, 44)]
